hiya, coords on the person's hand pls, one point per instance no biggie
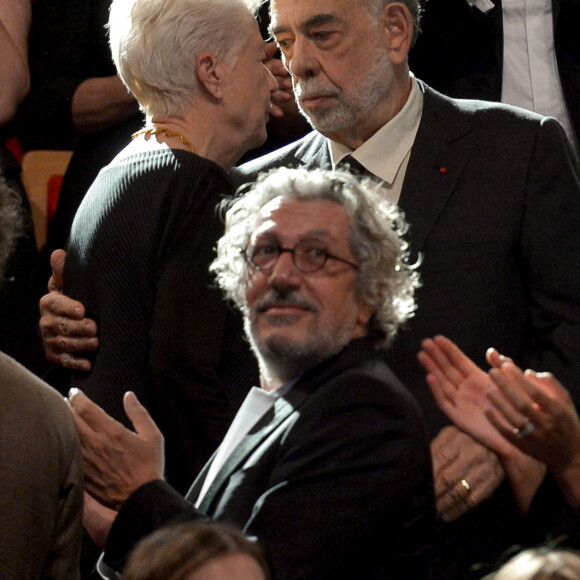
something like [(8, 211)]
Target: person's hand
[(117, 461), (466, 473), (536, 414), (97, 520), (460, 389), (65, 330), (284, 96)]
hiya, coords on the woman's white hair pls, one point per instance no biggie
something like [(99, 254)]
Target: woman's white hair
[(384, 279), (154, 44)]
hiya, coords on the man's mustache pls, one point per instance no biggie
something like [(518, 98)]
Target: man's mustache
[(314, 87), (291, 298)]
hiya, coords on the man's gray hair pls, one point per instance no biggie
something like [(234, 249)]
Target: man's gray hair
[(376, 8), (154, 44), (384, 280), (11, 223)]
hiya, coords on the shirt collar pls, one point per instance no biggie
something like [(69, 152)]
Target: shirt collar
[(396, 137)]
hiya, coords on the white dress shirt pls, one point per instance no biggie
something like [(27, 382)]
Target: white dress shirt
[(530, 77), (256, 404), (386, 154)]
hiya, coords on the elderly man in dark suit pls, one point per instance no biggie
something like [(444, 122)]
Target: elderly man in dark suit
[(328, 463), (492, 195)]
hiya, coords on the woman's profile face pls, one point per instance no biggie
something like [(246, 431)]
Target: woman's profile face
[(247, 91), (236, 566)]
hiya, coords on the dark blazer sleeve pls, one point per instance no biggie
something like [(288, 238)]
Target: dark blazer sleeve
[(152, 506), (551, 518), (550, 241), (68, 44)]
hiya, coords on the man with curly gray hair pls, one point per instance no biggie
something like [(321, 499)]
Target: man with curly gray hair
[(383, 281), (328, 463)]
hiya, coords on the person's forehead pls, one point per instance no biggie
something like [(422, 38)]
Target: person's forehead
[(255, 42), (299, 12), (320, 217)]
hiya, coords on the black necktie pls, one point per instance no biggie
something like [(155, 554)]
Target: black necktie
[(350, 164)]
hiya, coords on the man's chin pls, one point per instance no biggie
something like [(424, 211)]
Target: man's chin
[(282, 341), (328, 125)]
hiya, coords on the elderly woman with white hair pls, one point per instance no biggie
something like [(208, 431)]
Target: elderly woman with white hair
[(143, 237)]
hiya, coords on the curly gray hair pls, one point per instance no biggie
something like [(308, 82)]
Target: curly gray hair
[(384, 280)]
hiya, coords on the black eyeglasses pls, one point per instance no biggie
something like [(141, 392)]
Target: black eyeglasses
[(307, 256)]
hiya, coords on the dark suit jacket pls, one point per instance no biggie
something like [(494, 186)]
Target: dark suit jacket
[(492, 195), (460, 51), (335, 482)]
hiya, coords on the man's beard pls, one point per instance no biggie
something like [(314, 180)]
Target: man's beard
[(288, 359), (365, 97)]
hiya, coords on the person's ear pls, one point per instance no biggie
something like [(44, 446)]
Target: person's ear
[(365, 313), (210, 74), (398, 26)]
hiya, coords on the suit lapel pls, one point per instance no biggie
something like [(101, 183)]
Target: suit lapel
[(195, 489), (437, 160), (282, 409)]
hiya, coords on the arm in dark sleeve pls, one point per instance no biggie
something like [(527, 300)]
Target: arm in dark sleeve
[(552, 518), (550, 242), (152, 506), (68, 44)]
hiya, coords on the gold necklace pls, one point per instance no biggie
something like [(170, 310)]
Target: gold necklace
[(148, 131)]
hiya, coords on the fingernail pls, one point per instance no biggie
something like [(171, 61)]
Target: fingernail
[(72, 392)]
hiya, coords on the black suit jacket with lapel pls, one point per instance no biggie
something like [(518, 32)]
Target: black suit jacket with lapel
[(459, 51), (492, 195), (336, 481)]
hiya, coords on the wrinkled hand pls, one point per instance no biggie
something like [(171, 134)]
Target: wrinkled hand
[(460, 389), (97, 520), (540, 399), (64, 328), (459, 458), (117, 461)]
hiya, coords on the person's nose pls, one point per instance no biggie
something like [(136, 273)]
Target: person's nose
[(284, 273), (303, 63), (272, 82)]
